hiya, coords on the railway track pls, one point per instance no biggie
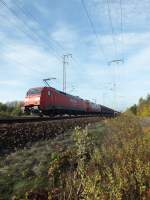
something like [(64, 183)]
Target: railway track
[(12, 120), (20, 132)]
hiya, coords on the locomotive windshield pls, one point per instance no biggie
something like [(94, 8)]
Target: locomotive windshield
[(34, 91)]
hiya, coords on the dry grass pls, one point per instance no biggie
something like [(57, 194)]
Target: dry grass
[(116, 166), (106, 161), (27, 169)]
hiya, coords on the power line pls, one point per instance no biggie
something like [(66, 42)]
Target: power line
[(29, 14), (121, 24), (111, 24), (14, 13), (24, 22), (93, 28)]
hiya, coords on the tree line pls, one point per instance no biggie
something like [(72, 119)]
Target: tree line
[(142, 108), (11, 109)]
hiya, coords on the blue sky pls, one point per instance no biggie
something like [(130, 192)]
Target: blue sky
[(35, 34)]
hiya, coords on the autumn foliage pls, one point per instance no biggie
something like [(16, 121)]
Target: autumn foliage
[(142, 108), (117, 166), (109, 160)]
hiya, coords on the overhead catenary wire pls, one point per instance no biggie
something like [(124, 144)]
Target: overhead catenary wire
[(121, 29), (116, 60), (93, 29), (29, 14), (14, 12), (39, 37), (112, 28)]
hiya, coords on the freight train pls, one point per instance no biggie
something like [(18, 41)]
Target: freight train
[(51, 102)]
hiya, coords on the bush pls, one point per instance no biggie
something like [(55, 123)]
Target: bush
[(110, 160), (117, 167), (142, 108), (10, 109)]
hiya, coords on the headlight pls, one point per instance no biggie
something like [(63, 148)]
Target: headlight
[(37, 99), (26, 100)]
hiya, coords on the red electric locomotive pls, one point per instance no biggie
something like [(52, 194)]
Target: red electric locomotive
[(49, 101)]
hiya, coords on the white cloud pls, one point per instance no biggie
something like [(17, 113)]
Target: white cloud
[(135, 13), (66, 35), (9, 82), (33, 59), (43, 10), (137, 63)]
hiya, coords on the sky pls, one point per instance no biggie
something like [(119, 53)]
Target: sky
[(34, 36)]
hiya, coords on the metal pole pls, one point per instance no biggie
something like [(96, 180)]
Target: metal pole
[(103, 98), (64, 74), (64, 70), (114, 88)]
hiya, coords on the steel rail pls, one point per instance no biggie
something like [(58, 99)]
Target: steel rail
[(13, 120)]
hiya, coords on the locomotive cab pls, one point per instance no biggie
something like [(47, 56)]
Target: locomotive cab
[(32, 100)]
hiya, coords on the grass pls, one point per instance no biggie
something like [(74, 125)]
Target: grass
[(114, 164), (28, 168), (109, 160)]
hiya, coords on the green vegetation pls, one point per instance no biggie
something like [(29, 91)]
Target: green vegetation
[(10, 109), (142, 108), (115, 166), (27, 169), (109, 160)]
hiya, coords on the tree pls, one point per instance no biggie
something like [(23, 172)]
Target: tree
[(10, 109), (134, 109)]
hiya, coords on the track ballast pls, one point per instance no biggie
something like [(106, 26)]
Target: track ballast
[(18, 133), (10, 120)]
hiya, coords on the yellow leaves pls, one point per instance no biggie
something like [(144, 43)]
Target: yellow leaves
[(53, 167), (115, 168), (91, 186), (146, 130)]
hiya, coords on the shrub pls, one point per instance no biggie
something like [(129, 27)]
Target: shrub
[(116, 168), (10, 109), (108, 161)]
